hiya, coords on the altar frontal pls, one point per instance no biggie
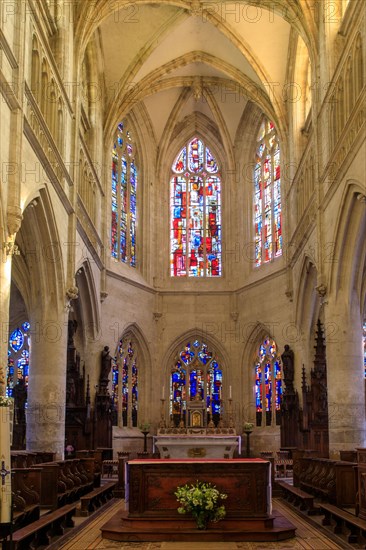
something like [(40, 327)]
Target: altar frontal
[(152, 508)]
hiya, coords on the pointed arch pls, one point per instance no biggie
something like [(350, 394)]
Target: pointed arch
[(87, 302), (267, 195), (131, 378), (35, 68), (195, 369), (195, 212), (349, 256), (124, 196), (262, 373), (190, 335), (39, 269), (307, 301)]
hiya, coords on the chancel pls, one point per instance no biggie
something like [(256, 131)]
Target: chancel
[(183, 274), (199, 426)]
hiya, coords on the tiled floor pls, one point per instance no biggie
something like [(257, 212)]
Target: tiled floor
[(309, 536)]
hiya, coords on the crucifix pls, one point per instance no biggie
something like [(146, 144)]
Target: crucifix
[(3, 472)]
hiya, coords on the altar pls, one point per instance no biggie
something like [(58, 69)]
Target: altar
[(152, 513), (190, 445)]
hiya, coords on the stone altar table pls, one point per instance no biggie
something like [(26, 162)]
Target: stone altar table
[(152, 506), (197, 446)]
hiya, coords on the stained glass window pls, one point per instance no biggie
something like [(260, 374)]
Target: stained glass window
[(267, 196), (195, 213), (18, 357), (124, 197), (196, 375), (125, 378), (268, 383)]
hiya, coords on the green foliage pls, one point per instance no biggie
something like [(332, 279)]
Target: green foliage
[(5, 401), (203, 501)]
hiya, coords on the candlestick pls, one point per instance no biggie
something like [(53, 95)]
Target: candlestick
[(163, 393), (230, 392), (162, 424)]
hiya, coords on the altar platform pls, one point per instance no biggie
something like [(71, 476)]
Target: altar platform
[(151, 511)]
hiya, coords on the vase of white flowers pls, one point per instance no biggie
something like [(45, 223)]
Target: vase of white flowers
[(203, 501)]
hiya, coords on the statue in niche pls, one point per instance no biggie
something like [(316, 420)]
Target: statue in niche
[(106, 366), (288, 366), (106, 363)]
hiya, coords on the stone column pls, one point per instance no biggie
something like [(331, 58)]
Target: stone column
[(5, 281), (345, 377), (47, 382)]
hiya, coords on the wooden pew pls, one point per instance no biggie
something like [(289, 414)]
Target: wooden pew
[(330, 480), (298, 497), (93, 500), (344, 522), (96, 455), (27, 459), (63, 482), (41, 532), (26, 488)]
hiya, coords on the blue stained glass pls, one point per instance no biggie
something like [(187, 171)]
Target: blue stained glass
[(195, 210), (203, 381), (211, 165), (26, 326), (204, 355), (195, 155), (16, 339), (267, 205), (124, 199), (187, 355)]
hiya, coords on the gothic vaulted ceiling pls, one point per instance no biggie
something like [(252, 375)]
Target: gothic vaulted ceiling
[(211, 59)]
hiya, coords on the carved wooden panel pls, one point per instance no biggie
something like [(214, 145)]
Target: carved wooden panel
[(152, 485)]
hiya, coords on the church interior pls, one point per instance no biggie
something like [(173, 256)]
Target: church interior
[(183, 274)]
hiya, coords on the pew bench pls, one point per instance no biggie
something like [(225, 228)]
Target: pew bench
[(63, 482), (110, 468), (344, 522), (93, 500), (40, 532), (26, 483), (298, 497)]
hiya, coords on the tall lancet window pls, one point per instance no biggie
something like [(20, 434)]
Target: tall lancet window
[(267, 196), (268, 384), (195, 213), (195, 376), (124, 204), (125, 378), (18, 358)]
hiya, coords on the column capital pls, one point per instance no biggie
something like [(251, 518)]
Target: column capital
[(14, 219)]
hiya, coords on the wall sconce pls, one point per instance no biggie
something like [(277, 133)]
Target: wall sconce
[(11, 249)]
